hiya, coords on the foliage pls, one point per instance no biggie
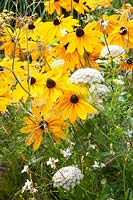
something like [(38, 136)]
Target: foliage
[(87, 121)]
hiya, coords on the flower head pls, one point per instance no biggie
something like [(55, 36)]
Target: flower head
[(87, 75), (67, 177), (122, 35), (112, 51), (82, 39), (75, 106), (37, 125)]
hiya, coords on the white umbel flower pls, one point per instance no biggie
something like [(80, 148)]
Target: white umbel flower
[(99, 90), (86, 75), (67, 177), (112, 51)]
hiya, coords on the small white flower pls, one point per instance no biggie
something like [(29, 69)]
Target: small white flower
[(63, 32), (52, 162), (86, 75), (102, 165), (27, 186), (35, 190), (98, 165), (112, 51), (104, 24), (87, 153), (67, 177), (66, 153), (25, 169), (93, 146)]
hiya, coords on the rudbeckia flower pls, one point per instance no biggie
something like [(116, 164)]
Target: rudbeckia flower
[(30, 31), (31, 85), (71, 60), (81, 39), (122, 35), (93, 4), (54, 5), (53, 29), (107, 24), (72, 106), (5, 73), (10, 40), (5, 96), (37, 125), (54, 84), (126, 64), (16, 66), (79, 6)]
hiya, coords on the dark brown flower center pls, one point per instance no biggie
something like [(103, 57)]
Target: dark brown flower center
[(66, 45), (31, 26), (56, 0), (1, 68), (74, 99), (56, 21), (31, 80), (22, 67), (77, 1), (43, 125), (129, 61), (50, 83), (123, 31), (79, 32)]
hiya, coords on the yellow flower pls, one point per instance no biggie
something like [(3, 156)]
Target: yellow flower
[(37, 125), (54, 5), (53, 29), (6, 75), (5, 96), (93, 4), (55, 82), (31, 85), (30, 31), (81, 39), (122, 35), (10, 43), (72, 106), (71, 60), (107, 24), (126, 64), (79, 6)]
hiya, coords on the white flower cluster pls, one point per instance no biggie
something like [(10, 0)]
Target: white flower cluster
[(67, 177), (112, 51), (99, 89), (86, 75)]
